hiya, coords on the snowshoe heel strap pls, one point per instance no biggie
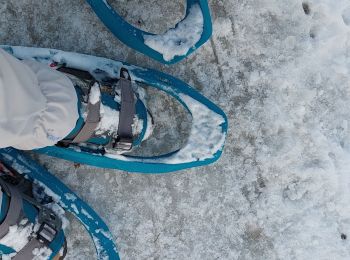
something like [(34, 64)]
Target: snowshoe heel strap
[(14, 210), (127, 112)]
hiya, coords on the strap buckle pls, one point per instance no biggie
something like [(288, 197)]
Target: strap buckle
[(123, 144), (50, 225), (46, 234)]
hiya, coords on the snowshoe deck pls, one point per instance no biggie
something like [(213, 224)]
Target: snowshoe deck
[(137, 39), (209, 123)]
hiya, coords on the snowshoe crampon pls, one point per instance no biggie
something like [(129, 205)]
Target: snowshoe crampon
[(174, 45), (32, 210), (207, 133)]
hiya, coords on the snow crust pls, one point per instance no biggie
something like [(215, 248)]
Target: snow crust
[(178, 41)]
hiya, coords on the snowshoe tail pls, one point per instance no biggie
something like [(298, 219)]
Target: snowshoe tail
[(137, 39)]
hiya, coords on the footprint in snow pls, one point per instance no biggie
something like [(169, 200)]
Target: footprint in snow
[(346, 16), (328, 20)]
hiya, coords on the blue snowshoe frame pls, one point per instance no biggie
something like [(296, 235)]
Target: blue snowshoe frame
[(174, 87), (67, 199), (134, 37)]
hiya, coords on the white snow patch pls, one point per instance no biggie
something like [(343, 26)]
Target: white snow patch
[(109, 120), (178, 41), (41, 253), (84, 212), (70, 196), (95, 94), (18, 235), (206, 137)]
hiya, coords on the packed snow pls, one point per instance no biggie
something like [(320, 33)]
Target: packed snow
[(178, 41), (95, 94), (18, 235), (280, 70)]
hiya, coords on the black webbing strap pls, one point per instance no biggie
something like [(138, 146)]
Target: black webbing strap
[(14, 210), (81, 74), (127, 112), (91, 123)]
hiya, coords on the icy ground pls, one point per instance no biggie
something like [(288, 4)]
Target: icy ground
[(280, 70)]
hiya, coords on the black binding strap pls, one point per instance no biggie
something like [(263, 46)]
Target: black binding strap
[(81, 74), (91, 123), (127, 112), (124, 139), (14, 210)]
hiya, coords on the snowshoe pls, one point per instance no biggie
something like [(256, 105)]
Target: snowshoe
[(118, 87), (32, 210), (31, 225), (172, 46)]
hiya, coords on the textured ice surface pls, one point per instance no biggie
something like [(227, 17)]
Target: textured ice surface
[(280, 70)]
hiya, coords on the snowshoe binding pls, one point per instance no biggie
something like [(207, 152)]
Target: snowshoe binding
[(172, 46), (32, 213), (30, 222), (111, 115), (114, 87)]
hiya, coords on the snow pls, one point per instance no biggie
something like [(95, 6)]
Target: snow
[(178, 41), (95, 94), (281, 188), (18, 235), (41, 254), (109, 120)]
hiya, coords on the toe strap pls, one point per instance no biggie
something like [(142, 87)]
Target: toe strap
[(127, 112)]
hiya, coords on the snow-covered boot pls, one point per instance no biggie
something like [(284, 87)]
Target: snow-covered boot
[(31, 224)]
